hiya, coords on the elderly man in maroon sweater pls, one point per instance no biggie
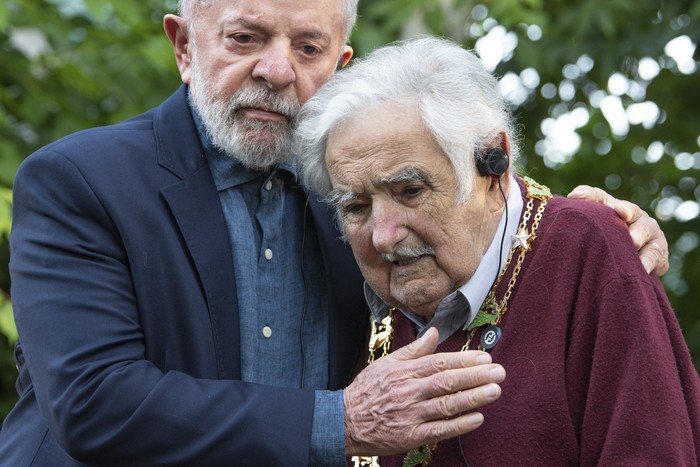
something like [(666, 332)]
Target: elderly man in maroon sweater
[(414, 146)]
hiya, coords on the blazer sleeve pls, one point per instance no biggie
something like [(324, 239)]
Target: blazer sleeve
[(80, 329)]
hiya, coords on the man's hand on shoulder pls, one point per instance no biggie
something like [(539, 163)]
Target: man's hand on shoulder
[(414, 397), (646, 234)]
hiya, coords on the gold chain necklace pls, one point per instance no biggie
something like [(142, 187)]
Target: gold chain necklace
[(492, 310), (490, 313)]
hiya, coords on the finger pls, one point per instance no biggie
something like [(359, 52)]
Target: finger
[(585, 192), (628, 212), (463, 401), (588, 193), (423, 346), (453, 415), (421, 352), (651, 243), (461, 381), (654, 258), (433, 364), (440, 430), (642, 232), (646, 230)]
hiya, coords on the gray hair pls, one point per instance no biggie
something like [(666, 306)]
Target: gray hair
[(458, 99), (188, 9)]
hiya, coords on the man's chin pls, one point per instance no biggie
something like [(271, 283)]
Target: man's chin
[(256, 150), (418, 297), (259, 160)]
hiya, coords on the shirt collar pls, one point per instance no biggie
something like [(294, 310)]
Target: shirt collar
[(458, 309), (226, 170)]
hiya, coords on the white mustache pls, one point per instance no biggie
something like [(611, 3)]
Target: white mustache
[(406, 253), (267, 100)]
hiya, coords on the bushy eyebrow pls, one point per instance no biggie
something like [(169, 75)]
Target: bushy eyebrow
[(409, 174), (338, 198)]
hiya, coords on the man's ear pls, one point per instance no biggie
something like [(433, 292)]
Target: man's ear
[(495, 197), (345, 56), (176, 30)]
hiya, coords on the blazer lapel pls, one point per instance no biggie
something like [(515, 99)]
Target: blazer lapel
[(195, 205)]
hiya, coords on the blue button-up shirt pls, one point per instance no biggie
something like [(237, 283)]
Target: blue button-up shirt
[(280, 282)]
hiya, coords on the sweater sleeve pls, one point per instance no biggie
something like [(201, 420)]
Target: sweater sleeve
[(633, 390)]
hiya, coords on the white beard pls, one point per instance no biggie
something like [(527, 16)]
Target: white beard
[(256, 144)]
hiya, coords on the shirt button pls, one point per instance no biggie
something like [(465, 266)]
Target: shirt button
[(267, 332), (268, 254), (268, 185)]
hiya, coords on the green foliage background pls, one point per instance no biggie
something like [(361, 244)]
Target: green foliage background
[(66, 65)]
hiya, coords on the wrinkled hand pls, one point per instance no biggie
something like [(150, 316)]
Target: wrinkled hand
[(644, 230), (414, 397)]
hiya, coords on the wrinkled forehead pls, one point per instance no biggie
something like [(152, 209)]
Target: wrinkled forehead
[(295, 13), (382, 136)]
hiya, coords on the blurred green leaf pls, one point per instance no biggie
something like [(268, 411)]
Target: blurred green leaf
[(4, 16), (7, 321), (5, 212)]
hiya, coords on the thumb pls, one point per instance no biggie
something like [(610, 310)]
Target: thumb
[(425, 345), (586, 192)]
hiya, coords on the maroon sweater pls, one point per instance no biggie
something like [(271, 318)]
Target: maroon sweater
[(598, 372)]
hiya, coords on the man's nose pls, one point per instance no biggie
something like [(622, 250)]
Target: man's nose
[(388, 226), (275, 66)]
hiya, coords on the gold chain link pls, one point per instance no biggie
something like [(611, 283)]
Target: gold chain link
[(534, 191)]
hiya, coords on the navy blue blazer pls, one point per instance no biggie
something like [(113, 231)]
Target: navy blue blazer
[(125, 300)]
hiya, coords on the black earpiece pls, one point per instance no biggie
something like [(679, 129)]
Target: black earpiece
[(494, 162)]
